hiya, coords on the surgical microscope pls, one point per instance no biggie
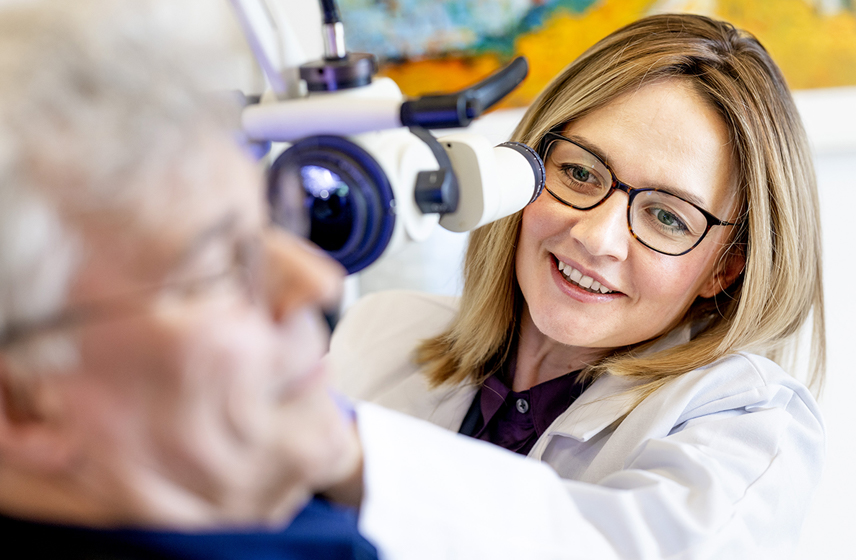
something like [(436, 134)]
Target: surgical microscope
[(359, 173)]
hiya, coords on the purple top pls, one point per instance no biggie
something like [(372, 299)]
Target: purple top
[(516, 420)]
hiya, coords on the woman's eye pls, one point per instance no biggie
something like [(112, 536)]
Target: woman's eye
[(581, 174), (580, 178), (668, 220)]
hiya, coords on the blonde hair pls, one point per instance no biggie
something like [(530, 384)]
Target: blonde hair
[(779, 235)]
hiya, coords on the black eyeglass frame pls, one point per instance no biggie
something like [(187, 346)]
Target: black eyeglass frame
[(631, 192)]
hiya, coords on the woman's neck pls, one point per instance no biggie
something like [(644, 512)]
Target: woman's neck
[(539, 358)]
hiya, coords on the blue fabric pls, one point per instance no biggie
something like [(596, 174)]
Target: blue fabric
[(320, 530)]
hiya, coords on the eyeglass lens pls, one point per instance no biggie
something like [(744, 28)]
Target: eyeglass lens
[(658, 219)]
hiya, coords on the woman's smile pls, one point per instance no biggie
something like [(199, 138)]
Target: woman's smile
[(588, 281)]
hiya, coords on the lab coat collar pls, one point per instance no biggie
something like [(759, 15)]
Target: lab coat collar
[(602, 404), (450, 405), (444, 406), (597, 408), (605, 401)]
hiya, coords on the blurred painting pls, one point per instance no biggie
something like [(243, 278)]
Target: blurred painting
[(443, 45)]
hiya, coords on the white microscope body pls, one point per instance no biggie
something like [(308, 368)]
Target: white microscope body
[(360, 175)]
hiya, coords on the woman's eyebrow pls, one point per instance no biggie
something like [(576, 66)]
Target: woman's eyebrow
[(671, 189), (588, 145), (684, 194)]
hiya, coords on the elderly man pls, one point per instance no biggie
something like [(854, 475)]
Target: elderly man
[(159, 347), (163, 392)]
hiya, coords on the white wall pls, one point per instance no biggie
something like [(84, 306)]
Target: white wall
[(830, 119)]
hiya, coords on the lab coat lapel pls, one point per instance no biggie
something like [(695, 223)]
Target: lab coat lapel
[(444, 406), (608, 399), (451, 405), (596, 409)]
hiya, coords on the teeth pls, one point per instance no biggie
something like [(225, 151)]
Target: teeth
[(577, 277)]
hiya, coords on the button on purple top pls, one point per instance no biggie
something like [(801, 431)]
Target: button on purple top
[(515, 420)]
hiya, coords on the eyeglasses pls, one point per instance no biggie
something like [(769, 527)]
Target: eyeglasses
[(244, 274), (660, 220)]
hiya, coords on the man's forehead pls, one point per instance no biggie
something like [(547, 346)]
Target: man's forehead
[(174, 219), (220, 181)]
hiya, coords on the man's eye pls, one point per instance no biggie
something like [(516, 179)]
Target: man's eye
[(210, 270), (250, 264), (205, 285)]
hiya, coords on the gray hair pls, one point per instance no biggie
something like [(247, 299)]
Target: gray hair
[(100, 100)]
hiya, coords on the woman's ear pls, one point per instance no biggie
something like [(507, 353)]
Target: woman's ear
[(726, 271), (33, 434)]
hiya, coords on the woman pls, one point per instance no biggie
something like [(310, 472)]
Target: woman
[(607, 329)]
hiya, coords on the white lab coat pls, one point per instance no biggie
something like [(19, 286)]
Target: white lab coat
[(719, 463)]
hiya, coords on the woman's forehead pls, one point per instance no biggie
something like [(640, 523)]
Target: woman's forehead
[(664, 135)]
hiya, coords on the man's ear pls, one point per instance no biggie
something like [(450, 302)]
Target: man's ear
[(726, 271), (33, 434)]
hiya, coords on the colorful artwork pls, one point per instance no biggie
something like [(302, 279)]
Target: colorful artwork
[(443, 45)]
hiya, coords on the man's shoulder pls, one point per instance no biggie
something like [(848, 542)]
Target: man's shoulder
[(320, 530), (46, 540)]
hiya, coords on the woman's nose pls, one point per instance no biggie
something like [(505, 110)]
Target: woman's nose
[(299, 275), (603, 230)]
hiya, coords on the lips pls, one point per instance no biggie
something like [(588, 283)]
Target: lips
[(578, 278)]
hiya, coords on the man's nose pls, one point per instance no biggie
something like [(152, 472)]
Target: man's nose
[(299, 275), (603, 230)]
